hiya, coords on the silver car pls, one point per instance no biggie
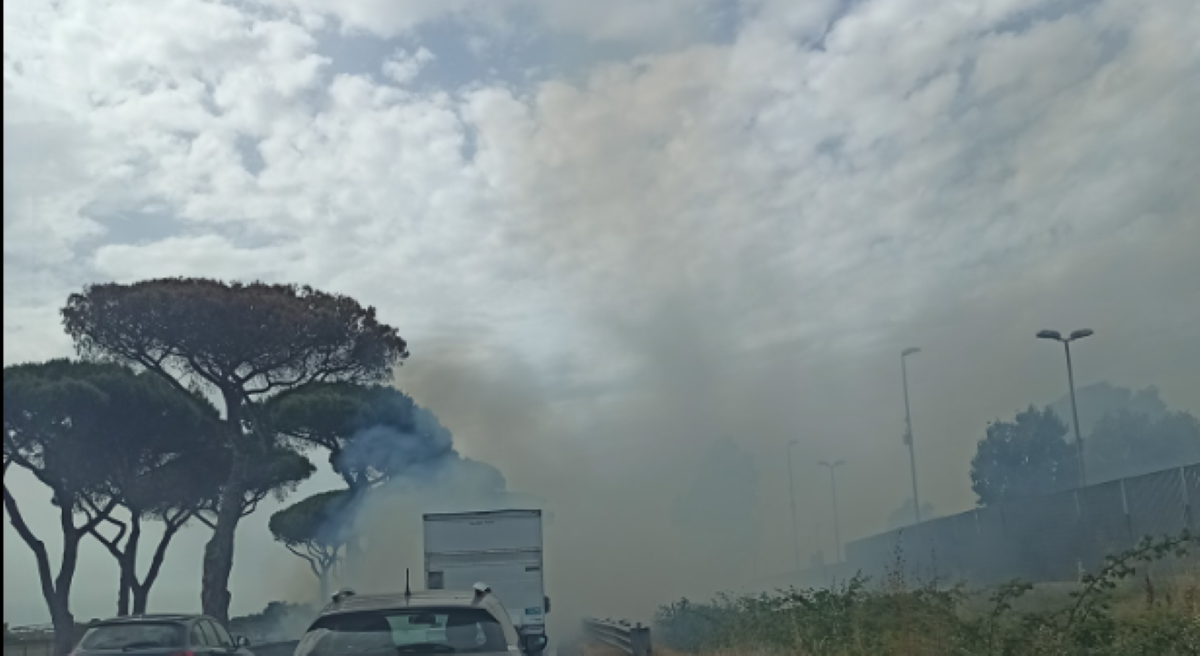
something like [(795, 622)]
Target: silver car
[(418, 624)]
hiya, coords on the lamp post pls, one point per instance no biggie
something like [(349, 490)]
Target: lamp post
[(908, 434), (837, 536), (795, 521), (1066, 342)]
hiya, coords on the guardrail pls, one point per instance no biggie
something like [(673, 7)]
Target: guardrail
[(284, 648), (633, 639)]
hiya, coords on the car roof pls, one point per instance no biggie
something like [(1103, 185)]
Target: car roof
[(429, 599), (151, 617)]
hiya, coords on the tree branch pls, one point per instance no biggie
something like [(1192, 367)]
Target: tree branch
[(112, 544), (249, 507), (311, 563), (206, 521), (101, 516), (38, 547), (160, 554)]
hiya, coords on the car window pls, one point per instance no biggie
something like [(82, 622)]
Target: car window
[(210, 636), (131, 637), (405, 631), (199, 638), (221, 634)]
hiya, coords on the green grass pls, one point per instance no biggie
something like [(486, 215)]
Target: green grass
[(1144, 601)]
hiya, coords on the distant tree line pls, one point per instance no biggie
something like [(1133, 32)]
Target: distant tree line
[(1125, 434), (193, 400)]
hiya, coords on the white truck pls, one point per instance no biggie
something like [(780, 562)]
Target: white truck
[(502, 548)]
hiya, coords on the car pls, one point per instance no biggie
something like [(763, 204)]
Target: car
[(160, 635), (416, 624)]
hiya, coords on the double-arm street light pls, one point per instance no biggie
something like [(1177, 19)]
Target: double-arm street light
[(908, 433), (1066, 342), (837, 536)]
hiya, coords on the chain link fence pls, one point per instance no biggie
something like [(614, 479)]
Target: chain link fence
[(1040, 538)]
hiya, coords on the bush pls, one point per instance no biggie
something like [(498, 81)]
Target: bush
[(931, 618)]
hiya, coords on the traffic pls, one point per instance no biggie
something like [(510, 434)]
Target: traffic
[(485, 595)]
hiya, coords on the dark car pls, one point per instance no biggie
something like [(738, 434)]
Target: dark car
[(160, 635)]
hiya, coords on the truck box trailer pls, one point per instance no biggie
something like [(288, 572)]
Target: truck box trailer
[(502, 548)]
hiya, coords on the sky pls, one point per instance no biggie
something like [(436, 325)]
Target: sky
[(625, 238)]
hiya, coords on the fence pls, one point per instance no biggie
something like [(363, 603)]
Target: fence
[(1044, 538), (630, 639), (28, 648)]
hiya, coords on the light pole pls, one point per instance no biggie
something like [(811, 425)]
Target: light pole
[(795, 521), (837, 536), (908, 434), (1066, 342)]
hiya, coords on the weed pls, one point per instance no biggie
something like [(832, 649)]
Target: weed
[(1101, 615)]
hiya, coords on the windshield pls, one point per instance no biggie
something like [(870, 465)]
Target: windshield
[(408, 631), (133, 636)]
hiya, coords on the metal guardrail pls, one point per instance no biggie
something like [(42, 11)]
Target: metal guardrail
[(284, 648), (631, 639)]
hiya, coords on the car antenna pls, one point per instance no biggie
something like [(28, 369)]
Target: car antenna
[(407, 589)]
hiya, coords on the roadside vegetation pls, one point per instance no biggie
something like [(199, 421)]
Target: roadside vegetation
[(1143, 601)]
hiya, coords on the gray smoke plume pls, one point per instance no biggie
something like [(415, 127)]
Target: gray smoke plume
[(725, 492)]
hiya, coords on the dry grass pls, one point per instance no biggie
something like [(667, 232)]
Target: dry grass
[(1146, 601)]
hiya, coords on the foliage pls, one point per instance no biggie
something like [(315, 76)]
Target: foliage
[(243, 343), (1098, 400), (1127, 444), (1024, 457), (98, 436), (315, 529), (855, 619), (318, 519), (243, 339), (277, 471)]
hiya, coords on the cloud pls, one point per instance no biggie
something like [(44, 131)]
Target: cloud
[(641, 21)]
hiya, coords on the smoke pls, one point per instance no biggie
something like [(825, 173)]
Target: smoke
[(725, 491), (739, 239), (426, 446)]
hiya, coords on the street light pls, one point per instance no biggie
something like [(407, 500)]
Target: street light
[(908, 434), (837, 536), (795, 522), (1066, 342)]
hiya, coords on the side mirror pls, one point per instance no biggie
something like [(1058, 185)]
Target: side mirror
[(534, 643)]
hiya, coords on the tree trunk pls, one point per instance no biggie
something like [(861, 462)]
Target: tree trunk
[(354, 551), (60, 602), (123, 586), (56, 590), (63, 622), (141, 590), (218, 553), (128, 564), (323, 582), (141, 598)]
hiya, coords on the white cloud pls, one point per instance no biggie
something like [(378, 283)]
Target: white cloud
[(191, 257), (403, 67)]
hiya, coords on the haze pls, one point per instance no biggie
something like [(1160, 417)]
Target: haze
[(616, 239)]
